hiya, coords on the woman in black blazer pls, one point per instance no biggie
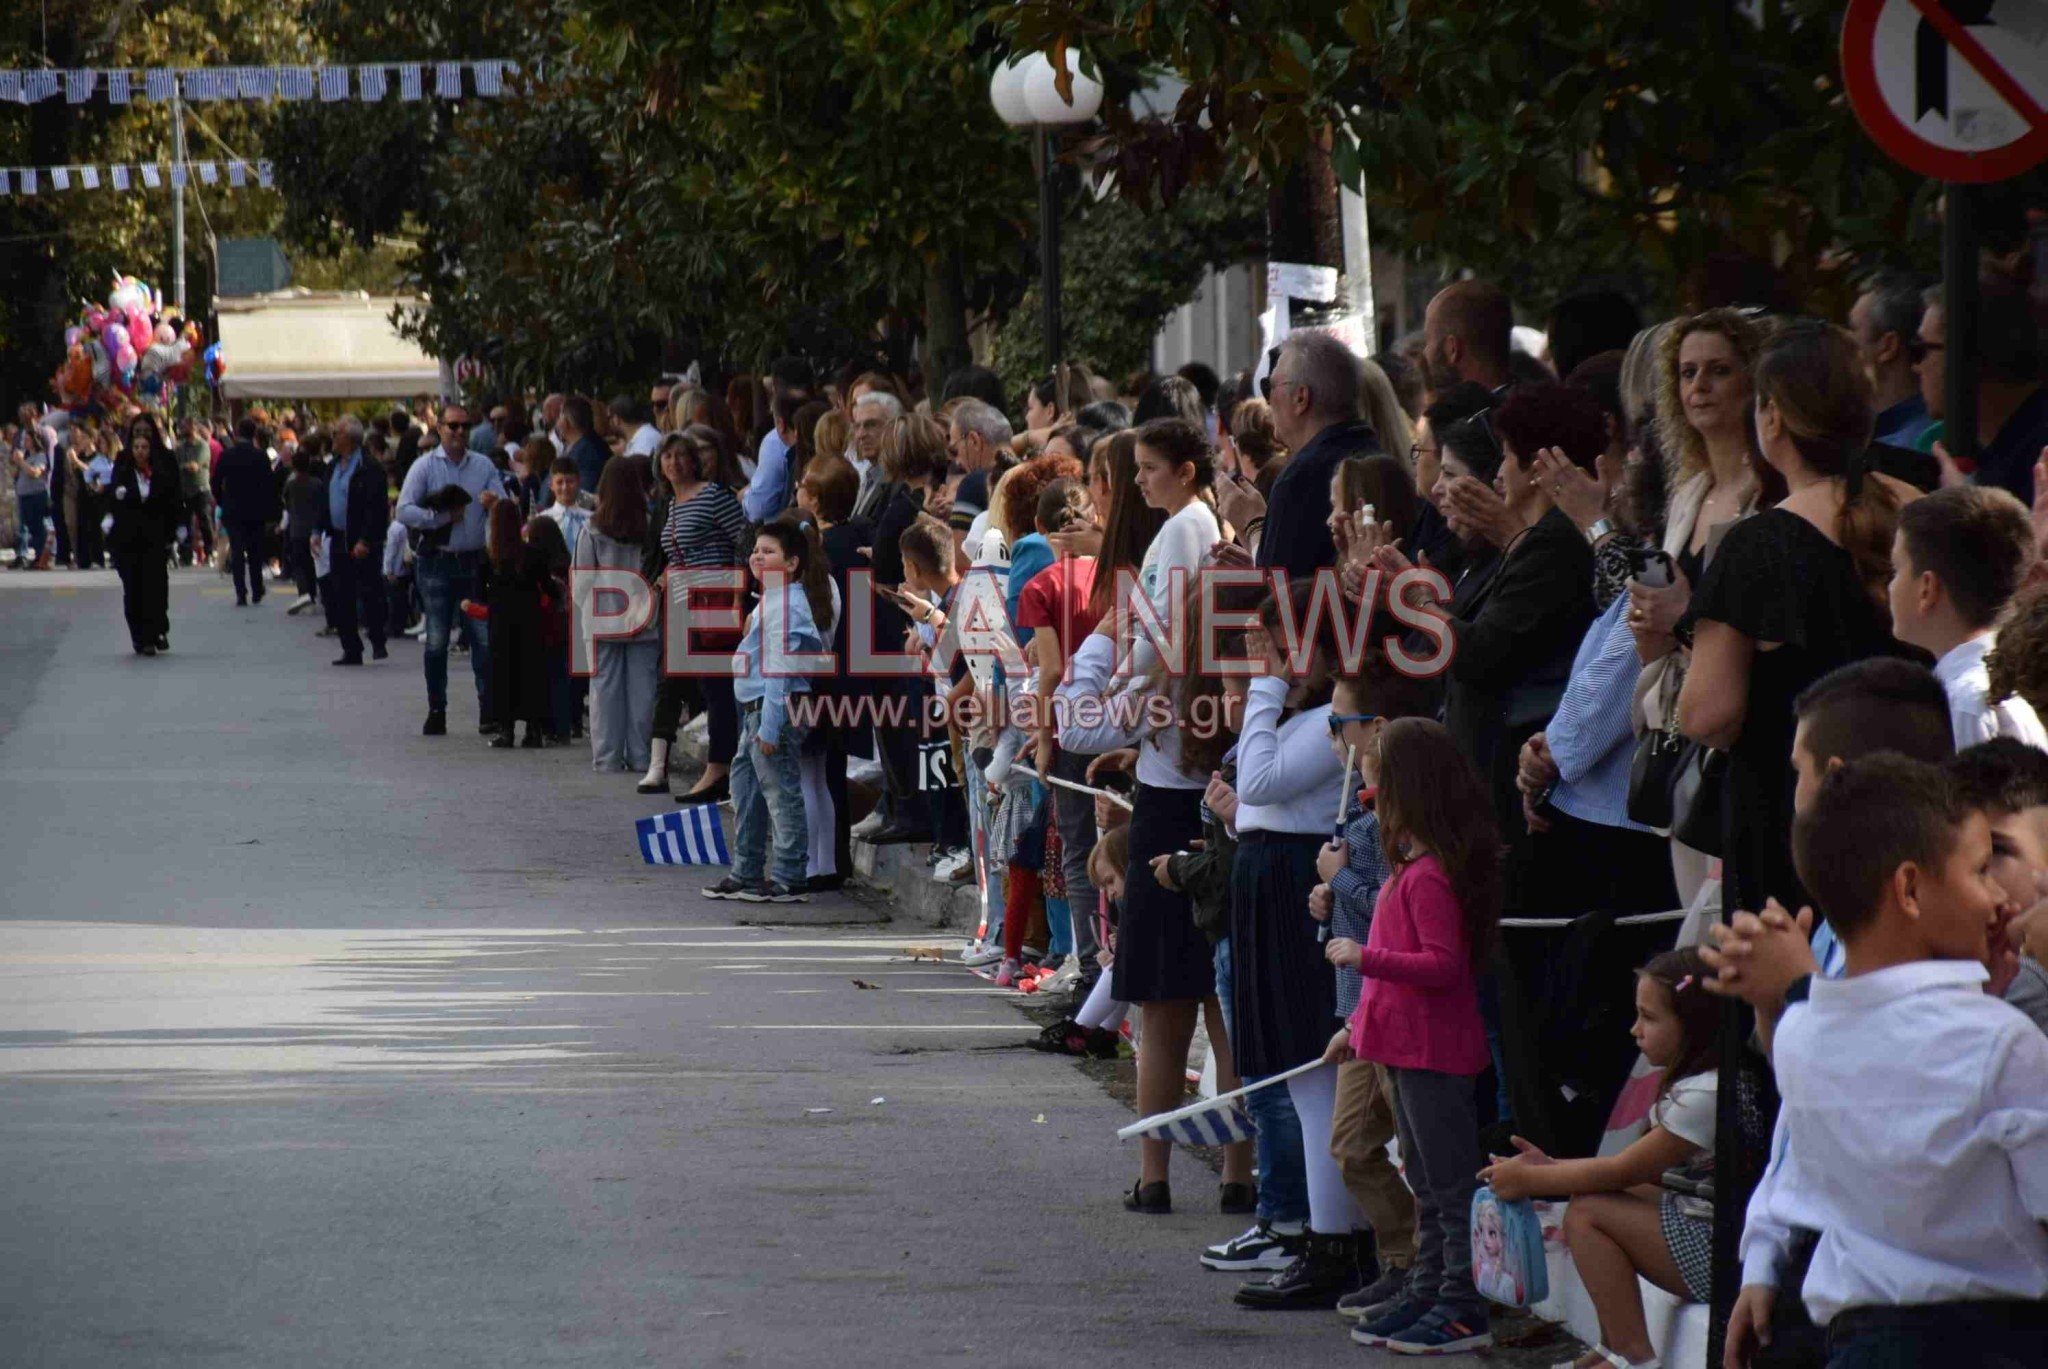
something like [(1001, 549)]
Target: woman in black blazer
[(145, 510)]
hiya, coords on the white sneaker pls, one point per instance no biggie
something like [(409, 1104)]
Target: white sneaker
[(418, 629), (300, 605), (956, 868), (1064, 979), (977, 956), (868, 826)]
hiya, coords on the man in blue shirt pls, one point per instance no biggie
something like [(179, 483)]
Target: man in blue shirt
[(772, 487), (356, 515), (579, 443), (1885, 320), (447, 495)]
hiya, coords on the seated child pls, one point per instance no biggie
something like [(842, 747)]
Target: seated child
[(1913, 1134), (1621, 1223)]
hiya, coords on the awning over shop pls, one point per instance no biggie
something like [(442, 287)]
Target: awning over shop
[(296, 344)]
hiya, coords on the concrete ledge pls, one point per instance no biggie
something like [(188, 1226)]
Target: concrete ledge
[(900, 875)]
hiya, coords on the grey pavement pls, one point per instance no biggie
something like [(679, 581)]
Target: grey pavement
[(323, 1043)]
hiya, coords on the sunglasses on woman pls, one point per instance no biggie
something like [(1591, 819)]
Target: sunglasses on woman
[(1337, 721)]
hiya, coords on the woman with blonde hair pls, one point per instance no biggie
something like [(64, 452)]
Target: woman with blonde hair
[(1390, 422)]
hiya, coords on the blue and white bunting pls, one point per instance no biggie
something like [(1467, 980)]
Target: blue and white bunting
[(684, 836), (197, 85)]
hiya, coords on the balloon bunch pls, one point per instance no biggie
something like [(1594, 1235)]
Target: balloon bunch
[(133, 348)]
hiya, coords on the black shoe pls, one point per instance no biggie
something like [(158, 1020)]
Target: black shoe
[(824, 884), (714, 792), (1103, 1044), (532, 742), (255, 598), (144, 649), (1058, 1039), (1151, 1199), (1239, 1200), (897, 834), (348, 660), (660, 786), (1325, 1271), (437, 724), (163, 644), (378, 653), (241, 601), (501, 741), (485, 729)]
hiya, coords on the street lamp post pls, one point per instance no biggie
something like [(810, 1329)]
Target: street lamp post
[(1025, 93)]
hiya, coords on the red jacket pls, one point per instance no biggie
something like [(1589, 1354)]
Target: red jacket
[(1419, 1006)]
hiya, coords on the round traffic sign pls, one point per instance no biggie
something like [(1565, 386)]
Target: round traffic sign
[(1955, 89)]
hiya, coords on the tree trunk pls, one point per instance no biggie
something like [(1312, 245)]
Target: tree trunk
[(945, 322)]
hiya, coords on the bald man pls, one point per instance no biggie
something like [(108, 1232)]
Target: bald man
[(1466, 334)]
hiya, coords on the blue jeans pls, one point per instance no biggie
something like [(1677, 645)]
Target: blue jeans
[(768, 791), (33, 511), (444, 581), (1282, 1165)]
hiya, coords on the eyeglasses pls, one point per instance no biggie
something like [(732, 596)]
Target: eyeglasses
[(460, 425), (1337, 721), (1417, 450), (1917, 349)]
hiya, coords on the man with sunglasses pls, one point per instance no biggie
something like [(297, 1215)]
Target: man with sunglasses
[(446, 500)]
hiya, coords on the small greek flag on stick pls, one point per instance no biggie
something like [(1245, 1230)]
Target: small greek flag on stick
[(688, 836), (1214, 1121)]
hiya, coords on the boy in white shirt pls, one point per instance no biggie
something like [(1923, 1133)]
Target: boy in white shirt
[(1959, 556), (1913, 1136), (569, 509)]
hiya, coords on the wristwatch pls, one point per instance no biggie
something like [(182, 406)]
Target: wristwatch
[(1601, 527)]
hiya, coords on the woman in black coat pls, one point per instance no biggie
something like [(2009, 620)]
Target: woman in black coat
[(145, 510)]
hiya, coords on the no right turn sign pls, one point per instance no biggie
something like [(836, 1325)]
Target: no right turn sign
[(1954, 89)]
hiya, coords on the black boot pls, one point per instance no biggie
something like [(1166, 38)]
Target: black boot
[(1325, 1271)]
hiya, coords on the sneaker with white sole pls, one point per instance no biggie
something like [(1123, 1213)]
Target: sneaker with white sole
[(1381, 1295), (955, 867), (1260, 1248), (1063, 979), (1389, 1322), (1443, 1330), (770, 891), (868, 826), (728, 888), (299, 605), (974, 957)]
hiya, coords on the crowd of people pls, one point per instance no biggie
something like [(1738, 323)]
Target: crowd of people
[(1730, 632)]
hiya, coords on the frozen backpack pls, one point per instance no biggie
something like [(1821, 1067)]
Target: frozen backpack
[(1507, 1251)]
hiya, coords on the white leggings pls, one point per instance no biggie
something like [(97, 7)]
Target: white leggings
[(1101, 1010), (819, 818), (1332, 1210)]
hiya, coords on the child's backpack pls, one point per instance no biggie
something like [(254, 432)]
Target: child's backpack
[(1507, 1251)]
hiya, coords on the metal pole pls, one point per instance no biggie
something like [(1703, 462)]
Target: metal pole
[(178, 198), (1049, 246), (1358, 294), (1959, 310)]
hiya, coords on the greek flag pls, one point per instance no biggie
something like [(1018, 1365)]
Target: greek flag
[(1214, 1121), (688, 836)]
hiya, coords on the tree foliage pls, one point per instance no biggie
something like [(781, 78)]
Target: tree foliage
[(1534, 140)]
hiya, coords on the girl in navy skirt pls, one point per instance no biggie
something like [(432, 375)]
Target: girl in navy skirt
[(1283, 996)]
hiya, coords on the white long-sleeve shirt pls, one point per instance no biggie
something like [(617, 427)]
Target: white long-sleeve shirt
[(1101, 714), (1962, 673), (1168, 572), (1287, 775), (1913, 1138)]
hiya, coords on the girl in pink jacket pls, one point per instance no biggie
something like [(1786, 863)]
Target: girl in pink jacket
[(1418, 1014)]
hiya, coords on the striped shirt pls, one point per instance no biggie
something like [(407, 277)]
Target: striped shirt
[(704, 530)]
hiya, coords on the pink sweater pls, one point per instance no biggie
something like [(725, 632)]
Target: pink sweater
[(1419, 1008)]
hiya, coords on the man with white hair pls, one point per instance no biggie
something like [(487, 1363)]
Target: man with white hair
[(356, 514), (873, 412), (1317, 397), (980, 437)]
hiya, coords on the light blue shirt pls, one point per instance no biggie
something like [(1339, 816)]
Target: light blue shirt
[(433, 471), (1591, 736), (788, 624), (99, 472), (337, 493), (572, 521), (765, 493)]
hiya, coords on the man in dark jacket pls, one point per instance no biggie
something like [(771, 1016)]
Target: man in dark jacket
[(245, 492), (1317, 402), (354, 517)]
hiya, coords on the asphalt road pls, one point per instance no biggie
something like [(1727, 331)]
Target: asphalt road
[(323, 1043)]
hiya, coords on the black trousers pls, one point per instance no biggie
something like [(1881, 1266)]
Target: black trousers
[(355, 599), (898, 739), (145, 594), (722, 710), (245, 559), (519, 679), (91, 548), (199, 514)]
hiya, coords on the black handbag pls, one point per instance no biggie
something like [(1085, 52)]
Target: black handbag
[(1696, 799), (1653, 774)]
